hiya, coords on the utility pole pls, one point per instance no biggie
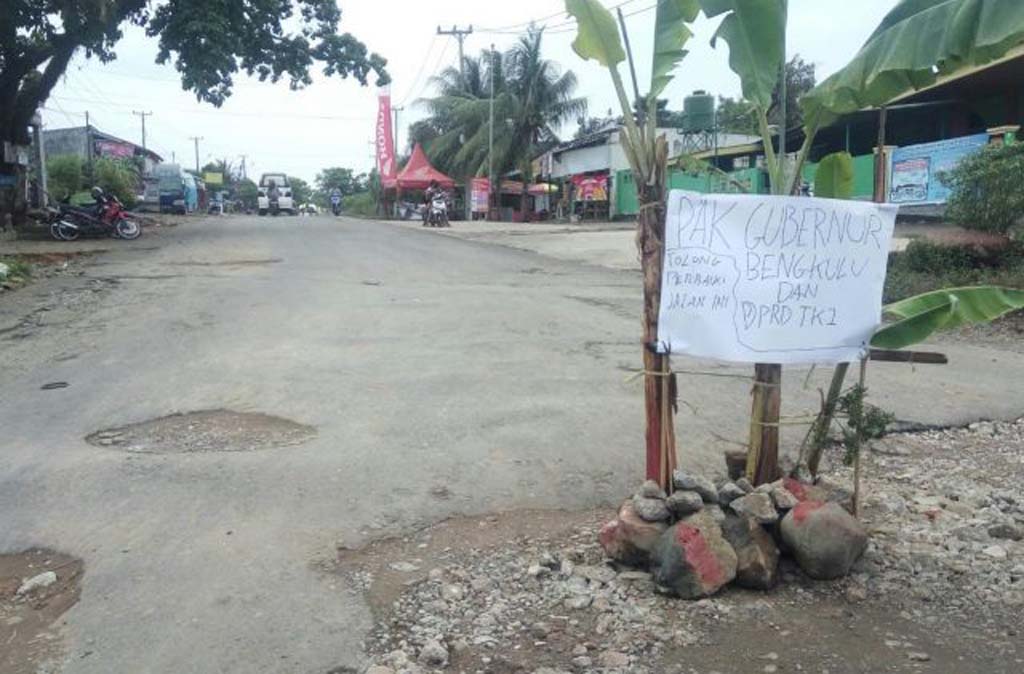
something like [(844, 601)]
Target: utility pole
[(460, 35), (245, 176), (490, 142), (88, 139), (397, 110), (196, 139), (143, 116)]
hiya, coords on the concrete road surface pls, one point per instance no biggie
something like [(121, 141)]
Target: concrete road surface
[(441, 375)]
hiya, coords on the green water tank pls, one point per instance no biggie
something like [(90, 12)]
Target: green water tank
[(698, 112)]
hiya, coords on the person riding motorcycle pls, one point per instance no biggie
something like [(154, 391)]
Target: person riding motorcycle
[(435, 191)]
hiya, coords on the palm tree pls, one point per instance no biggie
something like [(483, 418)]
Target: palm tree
[(533, 98), (544, 101)]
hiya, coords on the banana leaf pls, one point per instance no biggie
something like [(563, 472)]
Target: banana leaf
[(756, 33), (597, 34), (834, 179), (921, 316), (918, 41), (670, 35)]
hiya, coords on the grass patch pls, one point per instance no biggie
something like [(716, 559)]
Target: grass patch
[(925, 266), (17, 269)]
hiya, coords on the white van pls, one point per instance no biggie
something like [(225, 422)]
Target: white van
[(284, 202)]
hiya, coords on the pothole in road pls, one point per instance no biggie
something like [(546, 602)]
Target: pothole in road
[(205, 431), (36, 588)]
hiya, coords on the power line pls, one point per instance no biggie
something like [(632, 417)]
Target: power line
[(459, 34), (61, 111), (423, 69), (518, 28), (437, 69), (570, 26), (343, 118)]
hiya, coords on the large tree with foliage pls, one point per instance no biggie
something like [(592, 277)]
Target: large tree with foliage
[(345, 180), (208, 42), (738, 116), (302, 193)]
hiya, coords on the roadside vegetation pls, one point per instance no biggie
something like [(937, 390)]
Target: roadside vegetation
[(72, 177), (14, 272), (926, 265), (987, 194)]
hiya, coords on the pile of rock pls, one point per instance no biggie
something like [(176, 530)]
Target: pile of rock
[(704, 536)]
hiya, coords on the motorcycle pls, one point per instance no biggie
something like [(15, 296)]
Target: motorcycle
[(108, 217), (437, 214), (336, 204)]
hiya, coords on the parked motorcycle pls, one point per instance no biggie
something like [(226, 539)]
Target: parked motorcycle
[(107, 218)]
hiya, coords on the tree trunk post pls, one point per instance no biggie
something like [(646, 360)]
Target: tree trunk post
[(658, 408)]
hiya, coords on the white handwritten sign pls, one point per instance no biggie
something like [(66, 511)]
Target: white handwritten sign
[(772, 279)]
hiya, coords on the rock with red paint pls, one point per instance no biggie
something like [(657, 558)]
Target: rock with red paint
[(803, 491), (824, 539), (757, 556), (756, 505), (629, 538), (693, 559)]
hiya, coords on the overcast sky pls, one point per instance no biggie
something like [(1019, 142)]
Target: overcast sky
[(331, 122)]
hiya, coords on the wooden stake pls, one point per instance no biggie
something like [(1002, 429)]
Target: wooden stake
[(763, 457)]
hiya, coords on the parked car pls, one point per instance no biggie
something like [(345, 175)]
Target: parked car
[(276, 195), (148, 198), (171, 180)]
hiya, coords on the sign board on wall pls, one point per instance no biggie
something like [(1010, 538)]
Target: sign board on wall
[(481, 189), (591, 188), (766, 279), (917, 169), (111, 148)]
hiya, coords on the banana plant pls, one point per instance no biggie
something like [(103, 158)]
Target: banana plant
[(918, 318), (598, 39), (916, 42)]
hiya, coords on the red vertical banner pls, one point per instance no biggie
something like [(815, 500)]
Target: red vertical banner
[(386, 161)]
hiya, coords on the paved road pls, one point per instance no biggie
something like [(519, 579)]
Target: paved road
[(442, 375)]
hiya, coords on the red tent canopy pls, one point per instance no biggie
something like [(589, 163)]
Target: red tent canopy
[(418, 174)]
